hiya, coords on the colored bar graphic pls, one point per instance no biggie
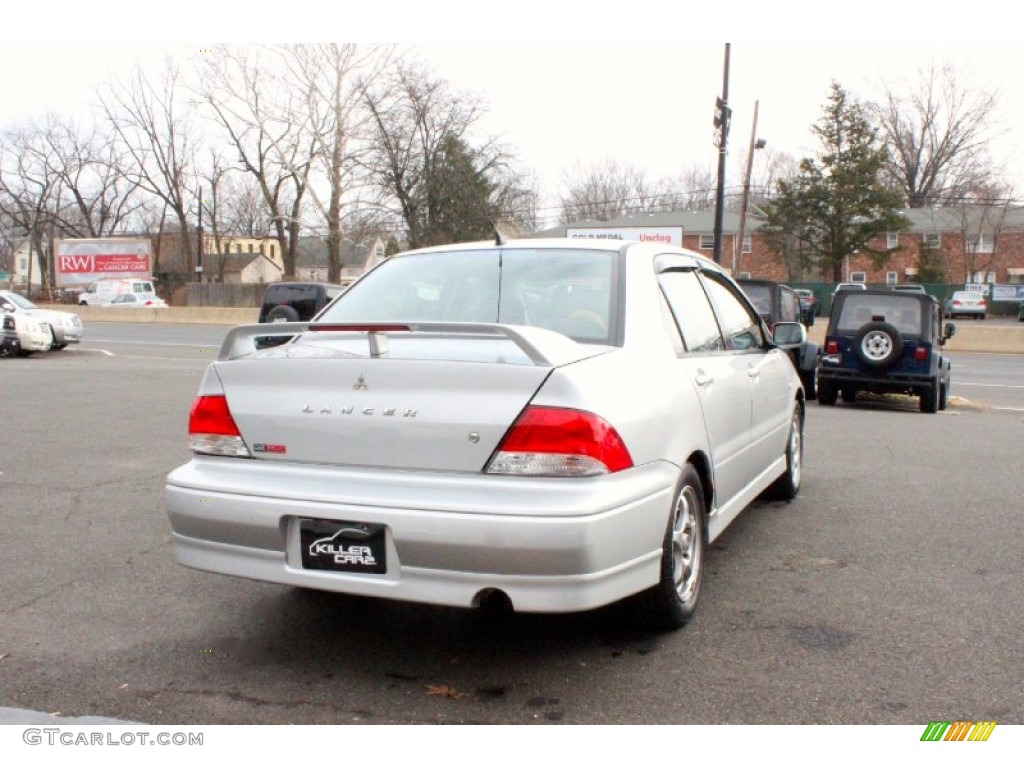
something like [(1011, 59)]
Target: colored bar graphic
[(958, 730)]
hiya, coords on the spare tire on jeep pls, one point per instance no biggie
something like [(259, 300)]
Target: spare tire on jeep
[(283, 313), (878, 345)]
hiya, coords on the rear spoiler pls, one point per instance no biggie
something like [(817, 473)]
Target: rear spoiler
[(541, 346)]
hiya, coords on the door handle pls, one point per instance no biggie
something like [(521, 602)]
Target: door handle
[(702, 379)]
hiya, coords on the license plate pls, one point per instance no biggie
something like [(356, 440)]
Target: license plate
[(332, 545)]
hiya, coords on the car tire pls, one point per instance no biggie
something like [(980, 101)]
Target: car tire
[(848, 393), (943, 396), (671, 602), (809, 378), (827, 393), (930, 397), (53, 338), (283, 313), (787, 486), (878, 345)]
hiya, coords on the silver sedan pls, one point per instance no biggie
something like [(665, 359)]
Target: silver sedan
[(546, 424)]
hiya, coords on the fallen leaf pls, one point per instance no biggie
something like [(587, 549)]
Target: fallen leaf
[(446, 691)]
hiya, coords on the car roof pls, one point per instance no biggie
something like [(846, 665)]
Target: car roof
[(595, 244)]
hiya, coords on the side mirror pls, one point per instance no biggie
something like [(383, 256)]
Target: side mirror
[(789, 335), (949, 331)]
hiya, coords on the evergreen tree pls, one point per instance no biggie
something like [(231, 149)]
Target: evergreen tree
[(837, 203), (456, 203)]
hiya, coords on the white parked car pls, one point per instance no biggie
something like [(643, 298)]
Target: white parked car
[(22, 334), (61, 328), (547, 424), (134, 301)]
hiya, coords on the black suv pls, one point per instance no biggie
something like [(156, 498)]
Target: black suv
[(776, 302), (885, 341), (291, 302)]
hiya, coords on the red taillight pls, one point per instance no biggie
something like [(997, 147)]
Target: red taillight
[(212, 430), (210, 416), (921, 354), (981, 303), (832, 347), (560, 442)]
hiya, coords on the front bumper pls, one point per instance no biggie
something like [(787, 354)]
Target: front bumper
[(551, 545)]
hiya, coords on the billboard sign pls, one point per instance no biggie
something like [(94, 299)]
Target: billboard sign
[(663, 235), (84, 261)]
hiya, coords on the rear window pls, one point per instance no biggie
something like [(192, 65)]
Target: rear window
[(901, 311), (142, 288), (760, 296), (570, 291)]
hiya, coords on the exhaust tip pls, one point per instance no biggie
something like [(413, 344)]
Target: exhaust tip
[(493, 602)]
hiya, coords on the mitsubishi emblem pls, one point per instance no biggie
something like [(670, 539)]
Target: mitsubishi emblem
[(360, 383)]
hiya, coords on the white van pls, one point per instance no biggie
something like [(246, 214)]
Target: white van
[(106, 290)]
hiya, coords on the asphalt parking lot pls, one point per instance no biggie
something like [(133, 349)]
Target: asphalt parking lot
[(882, 594)]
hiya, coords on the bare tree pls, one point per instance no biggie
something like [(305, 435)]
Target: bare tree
[(605, 190), (98, 198), (29, 190), (608, 189), (330, 77), (937, 137), (263, 117), (424, 161), (981, 214), (156, 130)]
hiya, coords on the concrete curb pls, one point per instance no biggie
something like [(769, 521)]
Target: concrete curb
[(12, 716), (970, 336)]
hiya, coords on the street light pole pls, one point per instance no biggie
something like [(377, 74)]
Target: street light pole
[(722, 115), (199, 236), (755, 143)]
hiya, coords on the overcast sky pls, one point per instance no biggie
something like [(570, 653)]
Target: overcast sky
[(568, 88)]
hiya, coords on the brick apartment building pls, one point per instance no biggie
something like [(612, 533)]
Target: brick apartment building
[(974, 245)]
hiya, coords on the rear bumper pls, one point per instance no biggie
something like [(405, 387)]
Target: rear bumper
[(551, 545), (875, 382)]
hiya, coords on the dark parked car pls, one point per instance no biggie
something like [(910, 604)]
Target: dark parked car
[(290, 302), (809, 305), (884, 342), (777, 302)]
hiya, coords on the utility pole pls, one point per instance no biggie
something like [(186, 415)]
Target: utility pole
[(755, 143), (199, 236), (722, 116)]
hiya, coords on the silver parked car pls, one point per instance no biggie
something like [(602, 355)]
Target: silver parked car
[(543, 423), (966, 304), (61, 327)]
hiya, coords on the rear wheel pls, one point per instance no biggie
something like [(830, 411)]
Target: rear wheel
[(848, 393), (930, 397), (673, 600), (943, 396), (827, 393)]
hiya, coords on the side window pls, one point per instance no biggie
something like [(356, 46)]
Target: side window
[(692, 311), (742, 329)]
